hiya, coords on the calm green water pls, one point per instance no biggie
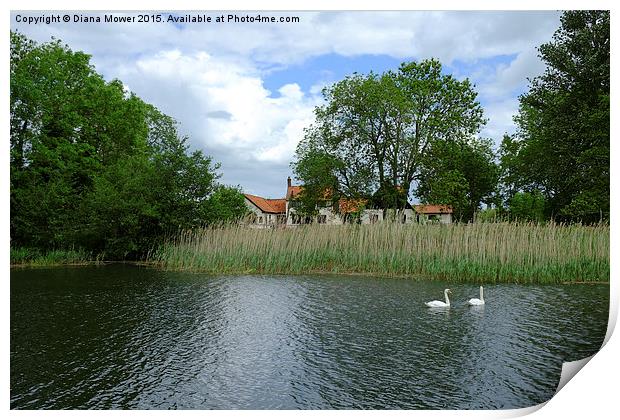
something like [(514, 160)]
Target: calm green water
[(129, 337)]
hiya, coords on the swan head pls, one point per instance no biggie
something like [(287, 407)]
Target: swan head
[(447, 291)]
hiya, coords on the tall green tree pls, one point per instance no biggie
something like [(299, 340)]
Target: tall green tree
[(67, 123), (462, 174), (225, 205), (320, 172), (527, 206), (374, 130), (93, 166), (142, 196), (338, 151), (561, 147)]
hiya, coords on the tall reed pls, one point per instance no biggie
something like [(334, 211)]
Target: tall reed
[(489, 252), (35, 257)]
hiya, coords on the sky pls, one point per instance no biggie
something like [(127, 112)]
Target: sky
[(243, 92)]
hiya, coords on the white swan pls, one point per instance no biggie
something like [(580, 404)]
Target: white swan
[(475, 301), (439, 303)]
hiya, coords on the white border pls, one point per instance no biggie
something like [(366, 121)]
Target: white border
[(592, 393)]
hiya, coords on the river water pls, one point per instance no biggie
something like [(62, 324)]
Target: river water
[(121, 336)]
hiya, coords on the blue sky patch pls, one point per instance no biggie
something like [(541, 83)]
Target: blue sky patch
[(327, 68)]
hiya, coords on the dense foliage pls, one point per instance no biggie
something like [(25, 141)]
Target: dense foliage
[(383, 136), (462, 174), (527, 206), (371, 138), (561, 148), (93, 166)]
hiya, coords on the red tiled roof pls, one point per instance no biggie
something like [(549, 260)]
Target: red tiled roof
[(292, 191), (344, 205), (432, 209), (277, 204), (350, 205), (268, 205)]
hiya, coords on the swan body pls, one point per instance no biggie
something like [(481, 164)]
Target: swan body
[(439, 303), (476, 301)]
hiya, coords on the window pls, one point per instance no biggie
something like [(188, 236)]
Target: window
[(352, 218), (374, 218), (434, 218), (321, 219), (260, 219), (298, 219)]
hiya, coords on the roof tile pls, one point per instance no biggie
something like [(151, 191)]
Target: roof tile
[(350, 205), (268, 205), (432, 209)]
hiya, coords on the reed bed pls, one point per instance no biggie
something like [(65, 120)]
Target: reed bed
[(36, 258), (489, 252)]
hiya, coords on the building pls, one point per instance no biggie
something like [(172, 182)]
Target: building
[(433, 213), (274, 212), (265, 212)]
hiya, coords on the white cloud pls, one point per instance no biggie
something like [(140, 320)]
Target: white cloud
[(499, 88), (249, 122), (445, 35), (500, 114), (505, 79)]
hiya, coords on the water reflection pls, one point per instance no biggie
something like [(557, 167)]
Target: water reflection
[(123, 337)]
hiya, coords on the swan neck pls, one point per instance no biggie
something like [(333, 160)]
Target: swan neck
[(481, 293), (445, 293)]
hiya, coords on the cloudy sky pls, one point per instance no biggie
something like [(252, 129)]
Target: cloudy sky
[(243, 92)]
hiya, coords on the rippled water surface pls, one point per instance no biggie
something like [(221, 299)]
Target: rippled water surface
[(129, 337)]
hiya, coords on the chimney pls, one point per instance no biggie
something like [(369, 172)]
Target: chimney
[(288, 181)]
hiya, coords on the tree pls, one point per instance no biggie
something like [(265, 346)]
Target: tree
[(462, 174), (121, 215), (320, 171), (526, 206), (67, 123), (185, 180), (373, 132), (225, 205), (561, 147), (143, 196), (450, 188), (94, 166), (336, 151)]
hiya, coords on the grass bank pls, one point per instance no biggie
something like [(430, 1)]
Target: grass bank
[(33, 257), (482, 252)]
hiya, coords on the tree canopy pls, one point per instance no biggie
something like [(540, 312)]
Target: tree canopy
[(375, 131), (94, 166), (561, 147), (462, 174)]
